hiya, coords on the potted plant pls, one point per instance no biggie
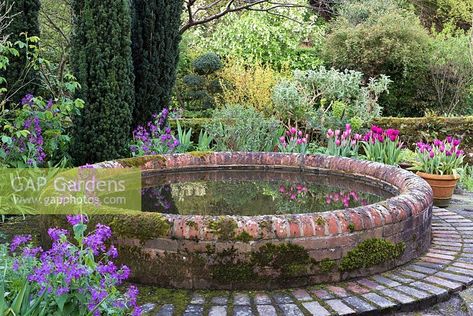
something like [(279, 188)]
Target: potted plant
[(438, 163)]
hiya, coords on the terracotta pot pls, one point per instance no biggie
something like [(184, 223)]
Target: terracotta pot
[(443, 187)]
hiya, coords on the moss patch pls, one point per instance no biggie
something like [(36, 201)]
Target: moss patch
[(200, 154), (243, 237), (371, 252), (138, 162), (289, 259), (351, 227), (224, 228), (326, 265), (145, 226), (161, 296)]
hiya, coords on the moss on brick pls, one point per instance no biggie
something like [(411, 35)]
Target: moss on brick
[(371, 252), (287, 258), (138, 162), (200, 154), (327, 265), (224, 228), (243, 237), (145, 226)]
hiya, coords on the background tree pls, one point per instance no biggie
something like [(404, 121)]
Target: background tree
[(155, 39), (379, 37), (20, 76), (102, 62)]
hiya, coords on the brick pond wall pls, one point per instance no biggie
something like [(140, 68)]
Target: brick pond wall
[(237, 252)]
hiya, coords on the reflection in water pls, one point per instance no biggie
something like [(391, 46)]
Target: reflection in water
[(346, 199), (250, 192)]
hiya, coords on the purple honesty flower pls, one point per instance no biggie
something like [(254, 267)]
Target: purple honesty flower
[(57, 233), (32, 252), (15, 265), (112, 252), (77, 219), (27, 99), (18, 241)]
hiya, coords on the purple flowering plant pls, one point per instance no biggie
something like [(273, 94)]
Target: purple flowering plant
[(293, 141), (382, 146), (343, 143), (36, 133), (154, 138), (76, 276), (442, 157)]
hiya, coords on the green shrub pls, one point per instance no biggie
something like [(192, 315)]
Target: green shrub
[(103, 66), (437, 13), (451, 72), (239, 128), (292, 43), (377, 37), (207, 64), (155, 37), (197, 90), (328, 98)]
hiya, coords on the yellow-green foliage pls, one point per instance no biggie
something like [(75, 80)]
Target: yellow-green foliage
[(248, 86)]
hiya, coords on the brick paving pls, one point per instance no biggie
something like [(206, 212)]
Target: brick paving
[(445, 269)]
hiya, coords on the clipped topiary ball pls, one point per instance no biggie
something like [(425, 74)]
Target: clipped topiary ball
[(207, 64), (194, 81)]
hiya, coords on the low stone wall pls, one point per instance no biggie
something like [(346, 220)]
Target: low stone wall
[(236, 252)]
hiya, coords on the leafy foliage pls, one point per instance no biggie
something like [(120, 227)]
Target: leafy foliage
[(155, 40), (103, 66), (37, 133), (327, 98), (288, 42), (250, 86), (239, 128), (378, 37), (451, 72), (21, 77)]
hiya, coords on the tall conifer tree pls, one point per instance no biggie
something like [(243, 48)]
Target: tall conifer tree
[(102, 62), (155, 37)]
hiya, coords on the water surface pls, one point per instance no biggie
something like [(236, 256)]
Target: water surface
[(252, 192)]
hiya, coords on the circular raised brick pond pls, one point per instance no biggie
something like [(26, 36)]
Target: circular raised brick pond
[(276, 251)]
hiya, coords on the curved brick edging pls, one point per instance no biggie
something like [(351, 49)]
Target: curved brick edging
[(404, 218), (445, 269)]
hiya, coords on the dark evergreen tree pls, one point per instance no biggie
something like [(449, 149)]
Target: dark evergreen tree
[(155, 37), (102, 62), (21, 78)]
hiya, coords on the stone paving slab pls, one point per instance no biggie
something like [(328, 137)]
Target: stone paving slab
[(445, 269)]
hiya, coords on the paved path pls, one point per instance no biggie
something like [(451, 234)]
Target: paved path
[(446, 269)]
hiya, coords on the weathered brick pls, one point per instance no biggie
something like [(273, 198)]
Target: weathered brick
[(358, 304), (455, 286), (315, 309), (339, 307), (379, 300), (398, 296)]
